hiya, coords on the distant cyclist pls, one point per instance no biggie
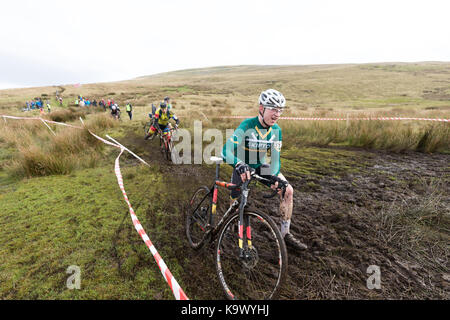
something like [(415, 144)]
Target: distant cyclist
[(115, 111), (248, 146), (167, 102), (161, 120)]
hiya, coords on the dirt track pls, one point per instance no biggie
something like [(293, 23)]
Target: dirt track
[(351, 217)]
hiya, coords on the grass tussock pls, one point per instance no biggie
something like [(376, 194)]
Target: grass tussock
[(66, 115), (71, 114), (387, 135), (434, 138), (40, 153), (413, 224)]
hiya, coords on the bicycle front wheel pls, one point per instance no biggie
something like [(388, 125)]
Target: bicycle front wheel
[(262, 271), (197, 215), (167, 149), (162, 145)]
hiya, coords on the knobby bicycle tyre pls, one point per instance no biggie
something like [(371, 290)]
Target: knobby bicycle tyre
[(262, 276), (167, 148), (197, 220), (171, 155), (161, 145)]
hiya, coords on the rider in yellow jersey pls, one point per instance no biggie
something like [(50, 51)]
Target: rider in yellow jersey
[(161, 120)]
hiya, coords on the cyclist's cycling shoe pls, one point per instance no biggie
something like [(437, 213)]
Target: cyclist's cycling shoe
[(293, 242), (149, 137)]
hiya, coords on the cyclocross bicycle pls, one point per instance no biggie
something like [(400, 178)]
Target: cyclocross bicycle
[(251, 264), (165, 140), (166, 143)]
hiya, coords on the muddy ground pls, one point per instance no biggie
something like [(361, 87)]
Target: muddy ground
[(353, 208)]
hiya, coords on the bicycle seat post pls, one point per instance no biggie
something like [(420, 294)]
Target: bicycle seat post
[(217, 161), (217, 170)]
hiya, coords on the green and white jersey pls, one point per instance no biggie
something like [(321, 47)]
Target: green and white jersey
[(251, 142)]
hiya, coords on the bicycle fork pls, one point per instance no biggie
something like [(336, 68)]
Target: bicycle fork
[(244, 223)]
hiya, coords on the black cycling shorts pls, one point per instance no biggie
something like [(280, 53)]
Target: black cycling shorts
[(235, 179)]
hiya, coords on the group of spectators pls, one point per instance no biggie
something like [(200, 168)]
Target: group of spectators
[(109, 103), (37, 103), (85, 102), (80, 101)]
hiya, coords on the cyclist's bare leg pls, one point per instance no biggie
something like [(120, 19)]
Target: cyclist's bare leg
[(286, 207)]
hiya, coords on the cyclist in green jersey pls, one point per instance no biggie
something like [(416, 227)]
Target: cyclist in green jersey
[(247, 148)]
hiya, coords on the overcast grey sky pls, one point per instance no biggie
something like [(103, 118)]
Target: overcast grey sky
[(61, 42)]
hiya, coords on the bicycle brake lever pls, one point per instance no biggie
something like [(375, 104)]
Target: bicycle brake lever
[(271, 195), (275, 192)]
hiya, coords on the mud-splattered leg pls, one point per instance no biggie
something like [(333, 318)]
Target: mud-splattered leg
[(286, 207)]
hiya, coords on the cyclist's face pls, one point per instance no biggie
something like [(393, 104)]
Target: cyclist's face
[(271, 115), (164, 110)]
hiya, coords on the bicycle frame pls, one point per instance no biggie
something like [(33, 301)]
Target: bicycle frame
[(232, 236), (213, 191), (165, 137)]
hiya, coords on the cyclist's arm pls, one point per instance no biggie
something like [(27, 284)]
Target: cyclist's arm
[(230, 149), (276, 166), (177, 121), (275, 162)]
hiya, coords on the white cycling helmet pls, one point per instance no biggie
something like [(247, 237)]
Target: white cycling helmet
[(272, 98)]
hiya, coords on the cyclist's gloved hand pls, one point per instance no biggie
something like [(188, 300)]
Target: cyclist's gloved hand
[(272, 181), (243, 170), (279, 184), (241, 167)]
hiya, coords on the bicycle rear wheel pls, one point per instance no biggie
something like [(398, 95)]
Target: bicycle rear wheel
[(197, 215), (260, 275)]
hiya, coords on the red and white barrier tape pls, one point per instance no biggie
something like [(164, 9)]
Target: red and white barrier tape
[(340, 119), (173, 284), (41, 119)]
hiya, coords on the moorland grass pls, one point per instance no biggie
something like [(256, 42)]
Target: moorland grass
[(41, 153), (50, 223)]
